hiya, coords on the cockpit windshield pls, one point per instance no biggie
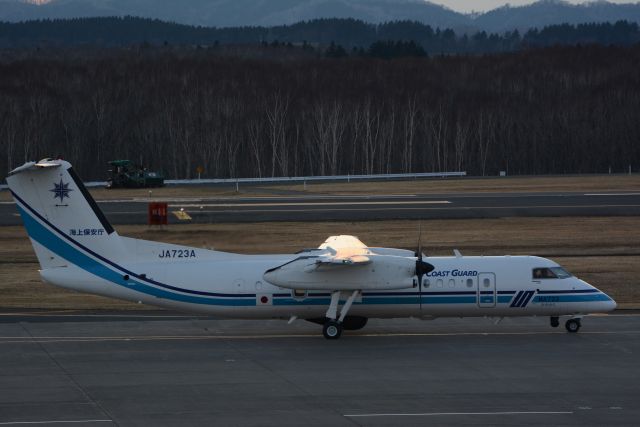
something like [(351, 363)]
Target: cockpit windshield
[(550, 273)]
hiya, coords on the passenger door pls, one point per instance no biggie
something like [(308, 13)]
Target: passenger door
[(486, 290)]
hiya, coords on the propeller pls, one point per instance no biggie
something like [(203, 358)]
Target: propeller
[(422, 267)]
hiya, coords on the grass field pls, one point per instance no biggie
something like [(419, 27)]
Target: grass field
[(604, 251), (586, 183)]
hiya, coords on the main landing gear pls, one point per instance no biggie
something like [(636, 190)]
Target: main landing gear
[(330, 327), (572, 325), (333, 326), (332, 330)]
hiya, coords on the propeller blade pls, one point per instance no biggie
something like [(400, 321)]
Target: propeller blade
[(419, 254), (422, 267)]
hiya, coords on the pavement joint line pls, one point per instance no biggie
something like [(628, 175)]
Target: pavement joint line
[(69, 376), (432, 414), (13, 423)]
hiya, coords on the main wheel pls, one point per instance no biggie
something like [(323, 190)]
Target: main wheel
[(332, 330), (555, 321), (573, 325)]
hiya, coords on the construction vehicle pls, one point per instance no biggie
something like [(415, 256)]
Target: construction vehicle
[(126, 174)]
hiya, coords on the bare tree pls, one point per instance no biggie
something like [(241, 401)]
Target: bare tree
[(277, 111)]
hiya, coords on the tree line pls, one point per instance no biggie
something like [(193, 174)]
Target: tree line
[(536, 111), (351, 34)]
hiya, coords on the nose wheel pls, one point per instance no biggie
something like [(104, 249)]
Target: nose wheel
[(573, 325)]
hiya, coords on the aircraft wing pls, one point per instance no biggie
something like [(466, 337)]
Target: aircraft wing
[(342, 251), (342, 260), (343, 241)]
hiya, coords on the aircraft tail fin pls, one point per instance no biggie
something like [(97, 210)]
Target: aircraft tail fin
[(59, 213)]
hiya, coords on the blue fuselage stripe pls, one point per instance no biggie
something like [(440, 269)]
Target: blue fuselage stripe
[(574, 298)]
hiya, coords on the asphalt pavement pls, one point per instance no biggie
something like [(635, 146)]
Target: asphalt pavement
[(359, 208), (165, 369)]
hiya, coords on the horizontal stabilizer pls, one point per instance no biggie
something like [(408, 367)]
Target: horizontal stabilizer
[(42, 164)]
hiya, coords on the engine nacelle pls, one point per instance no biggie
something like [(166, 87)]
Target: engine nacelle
[(383, 272)]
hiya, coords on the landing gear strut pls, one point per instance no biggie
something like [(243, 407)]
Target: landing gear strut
[(573, 325), (555, 321), (332, 328)]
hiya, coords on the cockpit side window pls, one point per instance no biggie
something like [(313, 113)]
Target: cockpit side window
[(560, 272), (550, 273), (543, 273)]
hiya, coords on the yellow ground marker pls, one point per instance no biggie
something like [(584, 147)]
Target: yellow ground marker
[(182, 215)]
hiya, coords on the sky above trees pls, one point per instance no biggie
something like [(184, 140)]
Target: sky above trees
[(485, 5)]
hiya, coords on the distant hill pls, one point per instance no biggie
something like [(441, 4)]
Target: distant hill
[(553, 12), (232, 13), (314, 36)]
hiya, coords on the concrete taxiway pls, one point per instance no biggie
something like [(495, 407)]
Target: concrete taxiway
[(358, 208), (164, 369)]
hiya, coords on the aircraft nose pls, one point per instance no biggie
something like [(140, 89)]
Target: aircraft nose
[(610, 305), (604, 303)]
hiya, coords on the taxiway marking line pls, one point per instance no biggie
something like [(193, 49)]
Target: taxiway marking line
[(368, 203), (437, 414), (611, 194), (448, 208), (44, 340), (63, 313), (260, 198), (140, 317), (452, 208), (15, 423)]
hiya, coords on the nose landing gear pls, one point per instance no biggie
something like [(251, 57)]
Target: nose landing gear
[(573, 325)]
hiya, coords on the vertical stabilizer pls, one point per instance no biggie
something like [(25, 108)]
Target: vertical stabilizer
[(58, 212)]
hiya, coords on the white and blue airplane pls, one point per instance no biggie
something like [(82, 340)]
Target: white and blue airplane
[(339, 285)]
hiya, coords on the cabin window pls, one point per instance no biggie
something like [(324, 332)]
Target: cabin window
[(439, 283), (452, 283), (486, 282), (550, 273), (469, 283), (427, 283)]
